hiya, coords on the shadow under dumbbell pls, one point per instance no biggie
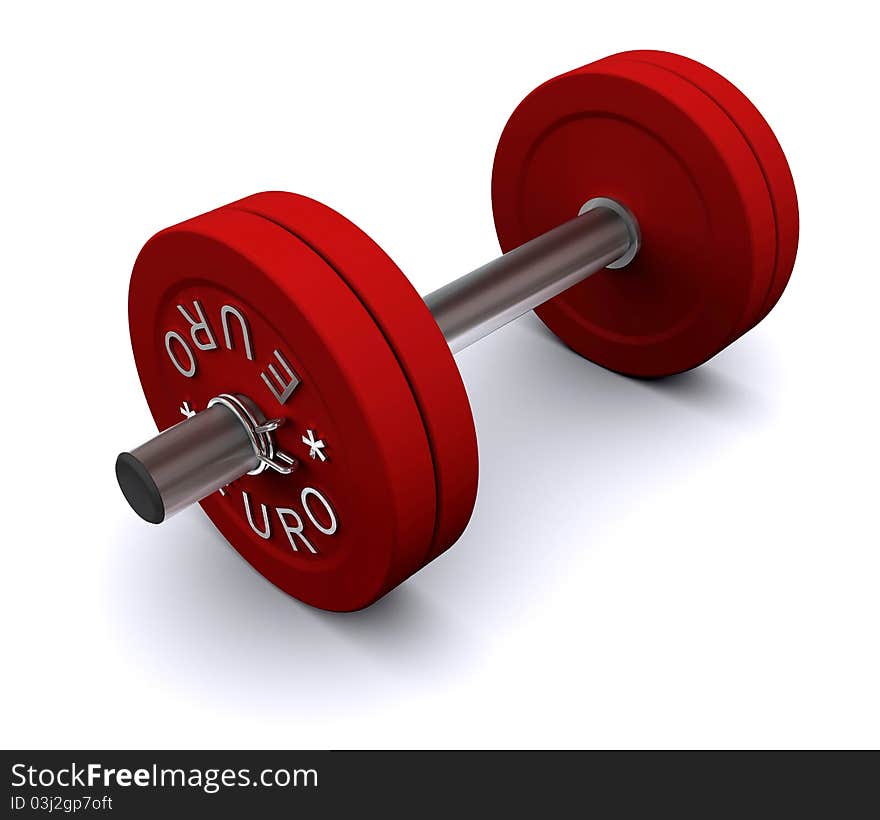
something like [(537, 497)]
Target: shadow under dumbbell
[(189, 609), (705, 387), (566, 449)]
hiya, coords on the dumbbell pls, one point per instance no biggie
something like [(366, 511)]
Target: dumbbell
[(309, 397)]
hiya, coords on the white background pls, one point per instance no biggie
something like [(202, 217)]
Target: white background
[(686, 563)]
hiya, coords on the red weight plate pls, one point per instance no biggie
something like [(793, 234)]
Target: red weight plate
[(413, 335), (768, 153), (643, 136), (230, 303)]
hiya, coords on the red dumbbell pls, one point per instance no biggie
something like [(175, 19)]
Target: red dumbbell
[(327, 432)]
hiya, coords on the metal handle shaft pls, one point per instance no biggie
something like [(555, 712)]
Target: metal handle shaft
[(185, 463), (603, 234)]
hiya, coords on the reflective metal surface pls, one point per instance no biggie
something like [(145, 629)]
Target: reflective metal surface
[(603, 235)]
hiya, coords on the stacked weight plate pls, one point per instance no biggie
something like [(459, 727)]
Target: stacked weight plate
[(707, 180), (394, 479)]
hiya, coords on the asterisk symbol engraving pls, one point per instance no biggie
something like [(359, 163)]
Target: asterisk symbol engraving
[(316, 446), (186, 410)]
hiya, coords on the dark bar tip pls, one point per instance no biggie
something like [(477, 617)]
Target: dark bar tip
[(139, 489)]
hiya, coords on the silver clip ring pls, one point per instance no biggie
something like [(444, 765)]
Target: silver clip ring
[(260, 435)]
